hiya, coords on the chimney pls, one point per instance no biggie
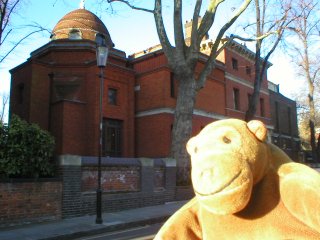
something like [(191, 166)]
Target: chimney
[(188, 29)]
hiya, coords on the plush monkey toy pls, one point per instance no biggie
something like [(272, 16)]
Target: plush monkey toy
[(245, 188)]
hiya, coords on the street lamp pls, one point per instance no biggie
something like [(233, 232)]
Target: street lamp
[(102, 50)]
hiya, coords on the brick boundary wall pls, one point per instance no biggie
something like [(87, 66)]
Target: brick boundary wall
[(25, 201), (126, 183)]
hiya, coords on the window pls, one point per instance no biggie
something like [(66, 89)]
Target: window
[(172, 86), (234, 64), (248, 70), (112, 96), (289, 120), (20, 93), (249, 99), (112, 138), (277, 115), (75, 34), (262, 113), (236, 98)]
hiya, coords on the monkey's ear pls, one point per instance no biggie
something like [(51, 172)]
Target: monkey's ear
[(191, 145), (258, 129)]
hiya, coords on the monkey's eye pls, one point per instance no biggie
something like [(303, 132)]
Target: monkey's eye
[(195, 150), (226, 140)]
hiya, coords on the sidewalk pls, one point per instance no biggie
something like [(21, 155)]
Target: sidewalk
[(83, 226)]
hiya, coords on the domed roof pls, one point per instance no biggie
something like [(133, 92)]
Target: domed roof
[(79, 24)]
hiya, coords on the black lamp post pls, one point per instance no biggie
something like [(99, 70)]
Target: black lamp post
[(102, 51)]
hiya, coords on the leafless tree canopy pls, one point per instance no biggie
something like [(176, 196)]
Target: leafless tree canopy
[(271, 21), (305, 45)]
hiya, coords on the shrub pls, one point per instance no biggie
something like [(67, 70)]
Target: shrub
[(25, 150)]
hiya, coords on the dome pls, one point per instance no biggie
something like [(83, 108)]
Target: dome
[(79, 24)]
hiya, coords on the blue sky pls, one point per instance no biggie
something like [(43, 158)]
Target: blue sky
[(130, 30)]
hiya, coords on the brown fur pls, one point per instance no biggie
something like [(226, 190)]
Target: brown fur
[(245, 189)]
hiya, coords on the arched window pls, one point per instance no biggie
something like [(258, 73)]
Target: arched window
[(75, 34)]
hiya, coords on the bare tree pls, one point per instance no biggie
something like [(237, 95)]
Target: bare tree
[(270, 25), (305, 47), (3, 109), (182, 60), (7, 10)]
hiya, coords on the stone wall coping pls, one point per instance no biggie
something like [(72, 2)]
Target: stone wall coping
[(170, 162), (69, 160), (159, 162), (30, 180), (74, 160), (146, 162), (110, 161)]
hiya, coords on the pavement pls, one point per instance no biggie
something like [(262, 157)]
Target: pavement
[(85, 226)]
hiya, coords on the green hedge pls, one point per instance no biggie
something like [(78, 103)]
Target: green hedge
[(25, 150)]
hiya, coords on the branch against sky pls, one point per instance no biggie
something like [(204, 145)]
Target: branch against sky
[(8, 9), (37, 28), (215, 51), (269, 27), (131, 5)]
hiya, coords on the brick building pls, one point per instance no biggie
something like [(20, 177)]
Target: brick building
[(284, 118), (58, 88)]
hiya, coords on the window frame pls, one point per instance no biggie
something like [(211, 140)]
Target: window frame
[(236, 99), (114, 101), (234, 63)]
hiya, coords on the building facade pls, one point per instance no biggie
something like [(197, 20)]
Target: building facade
[(58, 88), (284, 119)]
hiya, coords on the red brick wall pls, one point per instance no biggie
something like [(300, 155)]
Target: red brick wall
[(27, 202), (40, 97), (154, 90), (242, 64), (21, 76), (245, 88), (211, 98), (73, 125), (75, 121), (150, 63), (153, 135), (153, 132)]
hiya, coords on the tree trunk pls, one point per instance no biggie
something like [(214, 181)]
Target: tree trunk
[(312, 123), (182, 128), (318, 148), (253, 102), (312, 114)]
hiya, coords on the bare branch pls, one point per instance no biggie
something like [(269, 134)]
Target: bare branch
[(163, 37), (178, 27), (5, 16), (22, 39), (131, 6), (211, 61), (208, 19), (194, 33)]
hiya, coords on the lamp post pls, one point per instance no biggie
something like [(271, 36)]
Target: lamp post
[(102, 49)]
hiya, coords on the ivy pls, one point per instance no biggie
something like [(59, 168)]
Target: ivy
[(25, 150)]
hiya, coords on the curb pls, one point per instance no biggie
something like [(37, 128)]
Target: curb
[(106, 229)]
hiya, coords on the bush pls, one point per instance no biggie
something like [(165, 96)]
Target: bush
[(25, 150)]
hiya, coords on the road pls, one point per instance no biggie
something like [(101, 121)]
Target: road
[(139, 233)]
